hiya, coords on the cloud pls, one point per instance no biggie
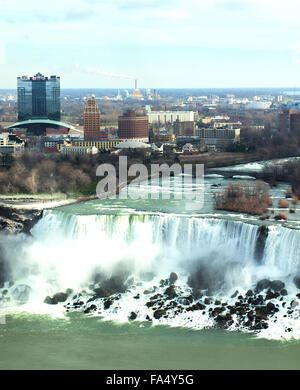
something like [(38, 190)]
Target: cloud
[(143, 4), (234, 5)]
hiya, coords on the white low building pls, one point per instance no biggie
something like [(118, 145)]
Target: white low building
[(218, 137), (82, 150), (163, 117)]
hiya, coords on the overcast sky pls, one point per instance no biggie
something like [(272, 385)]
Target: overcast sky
[(162, 43)]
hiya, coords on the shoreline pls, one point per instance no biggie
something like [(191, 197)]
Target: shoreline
[(40, 202)]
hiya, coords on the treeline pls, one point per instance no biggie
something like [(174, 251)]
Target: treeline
[(288, 171), (244, 197), (37, 173), (267, 143)]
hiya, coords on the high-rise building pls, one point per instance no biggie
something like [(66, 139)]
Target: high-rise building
[(133, 126), (186, 128), (289, 122), (91, 120), (38, 97)]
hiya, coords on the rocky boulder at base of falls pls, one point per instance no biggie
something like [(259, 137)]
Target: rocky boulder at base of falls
[(14, 220), (57, 298)]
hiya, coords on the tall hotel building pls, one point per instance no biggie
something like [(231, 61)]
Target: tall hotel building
[(133, 127), (38, 97), (91, 120), (289, 122)]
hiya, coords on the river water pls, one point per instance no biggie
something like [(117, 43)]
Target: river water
[(146, 240)]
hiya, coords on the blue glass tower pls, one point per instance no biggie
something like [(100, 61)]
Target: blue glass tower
[(38, 97)]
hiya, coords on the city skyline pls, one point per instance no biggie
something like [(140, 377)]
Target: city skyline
[(191, 44)]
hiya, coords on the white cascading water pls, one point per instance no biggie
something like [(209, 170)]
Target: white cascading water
[(66, 250)]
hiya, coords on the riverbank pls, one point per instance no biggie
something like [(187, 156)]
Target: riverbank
[(19, 213), (215, 160)]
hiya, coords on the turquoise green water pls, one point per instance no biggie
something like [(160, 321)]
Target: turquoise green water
[(30, 341), (81, 342)]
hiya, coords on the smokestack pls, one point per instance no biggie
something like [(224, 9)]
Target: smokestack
[(135, 84)]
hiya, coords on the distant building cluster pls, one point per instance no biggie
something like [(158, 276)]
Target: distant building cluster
[(179, 127)]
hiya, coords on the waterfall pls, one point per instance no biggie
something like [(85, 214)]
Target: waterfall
[(66, 250)]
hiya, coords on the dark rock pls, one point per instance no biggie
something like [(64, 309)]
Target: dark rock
[(261, 236), (270, 307), (159, 313), (217, 303), (277, 285), (155, 297), (284, 292), (207, 301), (217, 310), (150, 304), (190, 298), (251, 315), (173, 277), (294, 304), (196, 306), (137, 296), (261, 313), (114, 285), (14, 220), (90, 308), (107, 304), (258, 300), (59, 297), (249, 293), (48, 300), (296, 281), (232, 309), (262, 285), (170, 292), (235, 294), (271, 295), (101, 292), (224, 320), (132, 316), (164, 282)]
